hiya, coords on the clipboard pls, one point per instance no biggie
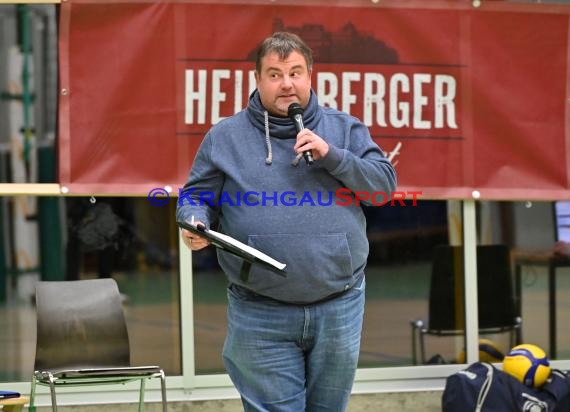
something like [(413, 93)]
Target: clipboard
[(228, 244)]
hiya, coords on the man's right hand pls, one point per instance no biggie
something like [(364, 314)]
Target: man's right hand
[(192, 240), (562, 249)]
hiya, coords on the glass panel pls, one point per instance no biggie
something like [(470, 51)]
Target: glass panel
[(209, 311), (400, 265), (534, 233), (402, 241), (82, 238)]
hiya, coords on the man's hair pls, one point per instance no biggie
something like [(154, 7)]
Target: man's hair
[(283, 43)]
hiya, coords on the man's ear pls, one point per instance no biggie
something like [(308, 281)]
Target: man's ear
[(257, 79)]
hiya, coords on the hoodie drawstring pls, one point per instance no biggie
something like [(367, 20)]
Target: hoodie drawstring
[(269, 158), (296, 160)]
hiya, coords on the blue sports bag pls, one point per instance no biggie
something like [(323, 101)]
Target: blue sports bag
[(483, 388)]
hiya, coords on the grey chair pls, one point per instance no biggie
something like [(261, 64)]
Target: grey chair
[(496, 300), (82, 339)]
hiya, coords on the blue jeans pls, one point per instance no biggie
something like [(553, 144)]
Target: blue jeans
[(293, 358)]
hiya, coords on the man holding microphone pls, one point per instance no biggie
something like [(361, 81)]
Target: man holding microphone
[(292, 342)]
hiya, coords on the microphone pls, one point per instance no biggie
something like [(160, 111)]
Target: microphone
[(295, 112)]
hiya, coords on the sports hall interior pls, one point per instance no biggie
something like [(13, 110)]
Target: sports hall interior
[(175, 301)]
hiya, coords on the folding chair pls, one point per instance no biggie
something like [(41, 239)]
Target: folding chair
[(82, 339), (496, 301)]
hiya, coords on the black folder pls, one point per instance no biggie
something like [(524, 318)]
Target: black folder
[(228, 244)]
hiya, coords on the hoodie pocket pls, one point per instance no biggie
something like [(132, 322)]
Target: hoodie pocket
[(322, 258)]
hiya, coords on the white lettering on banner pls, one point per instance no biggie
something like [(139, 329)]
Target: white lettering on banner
[(348, 98), (444, 95), (217, 95), (238, 87), (419, 101), (327, 87), (195, 93), (399, 111)]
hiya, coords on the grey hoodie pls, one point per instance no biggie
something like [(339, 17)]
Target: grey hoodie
[(243, 176)]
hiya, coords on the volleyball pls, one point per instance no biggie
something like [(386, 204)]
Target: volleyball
[(488, 352), (528, 364)]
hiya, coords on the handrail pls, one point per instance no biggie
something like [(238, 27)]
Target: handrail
[(34, 189)]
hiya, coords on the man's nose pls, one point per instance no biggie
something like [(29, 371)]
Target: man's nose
[(286, 82)]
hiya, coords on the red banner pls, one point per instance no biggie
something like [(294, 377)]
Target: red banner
[(463, 99)]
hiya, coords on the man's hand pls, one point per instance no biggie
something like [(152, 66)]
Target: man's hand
[(562, 249), (193, 241), (307, 140)]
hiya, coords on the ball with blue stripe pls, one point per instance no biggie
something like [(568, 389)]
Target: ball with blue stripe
[(529, 364)]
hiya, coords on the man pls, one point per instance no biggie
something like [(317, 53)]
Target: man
[(292, 342)]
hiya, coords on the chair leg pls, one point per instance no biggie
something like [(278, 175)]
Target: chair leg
[(422, 347), (141, 395), (163, 390), (32, 408), (52, 391), (414, 356), (417, 333), (517, 339)]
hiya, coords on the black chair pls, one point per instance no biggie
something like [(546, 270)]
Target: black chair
[(82, 339), (496, 301)]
